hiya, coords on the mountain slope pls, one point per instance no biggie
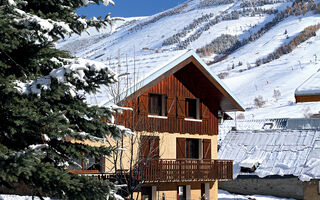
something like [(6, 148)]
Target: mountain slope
[(255, 28)]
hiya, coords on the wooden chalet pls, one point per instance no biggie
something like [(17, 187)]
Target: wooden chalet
[(309, 91), (174, 113)]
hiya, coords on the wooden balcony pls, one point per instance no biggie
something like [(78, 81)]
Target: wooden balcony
[(184, 170)]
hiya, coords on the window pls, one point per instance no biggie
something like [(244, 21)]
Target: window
[(192, 148), (192, 108), (157, 104)]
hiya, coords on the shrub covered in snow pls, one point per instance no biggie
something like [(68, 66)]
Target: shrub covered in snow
[(259, 101)]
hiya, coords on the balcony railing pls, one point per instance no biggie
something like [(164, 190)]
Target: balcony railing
[(184, 170)]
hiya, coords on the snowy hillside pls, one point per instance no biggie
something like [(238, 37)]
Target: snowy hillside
[(263, 49)]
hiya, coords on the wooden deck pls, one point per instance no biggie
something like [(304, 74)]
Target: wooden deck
[(172, 170)]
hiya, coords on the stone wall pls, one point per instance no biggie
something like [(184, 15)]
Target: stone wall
[(287, 186), (311, 190)]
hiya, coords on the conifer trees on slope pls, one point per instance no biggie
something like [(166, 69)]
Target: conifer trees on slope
[(42, 101)]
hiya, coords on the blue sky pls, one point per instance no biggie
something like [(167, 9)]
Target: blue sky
[(129, 8)]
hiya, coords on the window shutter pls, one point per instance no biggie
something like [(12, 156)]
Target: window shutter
[(198, 109), (181, 107), (171, 106), (163, 105), (205, 112), (143, 104), (144, 147), (181, 148), (154, 146), (206, 149), (149, 147)]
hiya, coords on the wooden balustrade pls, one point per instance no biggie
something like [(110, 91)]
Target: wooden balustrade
[(182, 170), (173, 170)]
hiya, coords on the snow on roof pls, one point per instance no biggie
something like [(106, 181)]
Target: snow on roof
[(249, 163), (310, 87), (135, 73), (279, 152), (254, 124)]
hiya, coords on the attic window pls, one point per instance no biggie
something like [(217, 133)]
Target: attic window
[(193, 108), (157, 104), (268, 125), (249, 165)]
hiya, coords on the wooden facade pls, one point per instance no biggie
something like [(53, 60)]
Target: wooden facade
[(307, 98), (188, 82)]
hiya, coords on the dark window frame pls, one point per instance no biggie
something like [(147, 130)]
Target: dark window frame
[(192, 148), (192, 108), (157, 104)]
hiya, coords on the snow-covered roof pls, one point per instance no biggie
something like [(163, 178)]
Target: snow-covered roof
[(132, 71), (136, 73), (254, 124), (310, 87), (279, 152)]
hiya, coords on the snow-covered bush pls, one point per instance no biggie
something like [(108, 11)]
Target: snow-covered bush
[(276, 94), (259, 101), (306, 111), (223, 75)]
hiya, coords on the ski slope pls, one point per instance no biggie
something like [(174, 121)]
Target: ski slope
[(145, 35)]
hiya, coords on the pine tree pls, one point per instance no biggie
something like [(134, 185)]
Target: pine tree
[(42, 101)]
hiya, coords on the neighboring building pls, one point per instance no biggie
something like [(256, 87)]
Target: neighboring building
[(309, 91), (279, 157), (175, 105)]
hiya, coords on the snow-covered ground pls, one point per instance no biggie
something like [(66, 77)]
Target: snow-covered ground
[(224, 195), (18, 197)]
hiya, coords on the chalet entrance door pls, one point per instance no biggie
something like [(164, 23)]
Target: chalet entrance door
[(203, 191), (146, 193), (181, 192)]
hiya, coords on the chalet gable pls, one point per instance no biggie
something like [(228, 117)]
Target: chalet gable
[(191, 66)]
